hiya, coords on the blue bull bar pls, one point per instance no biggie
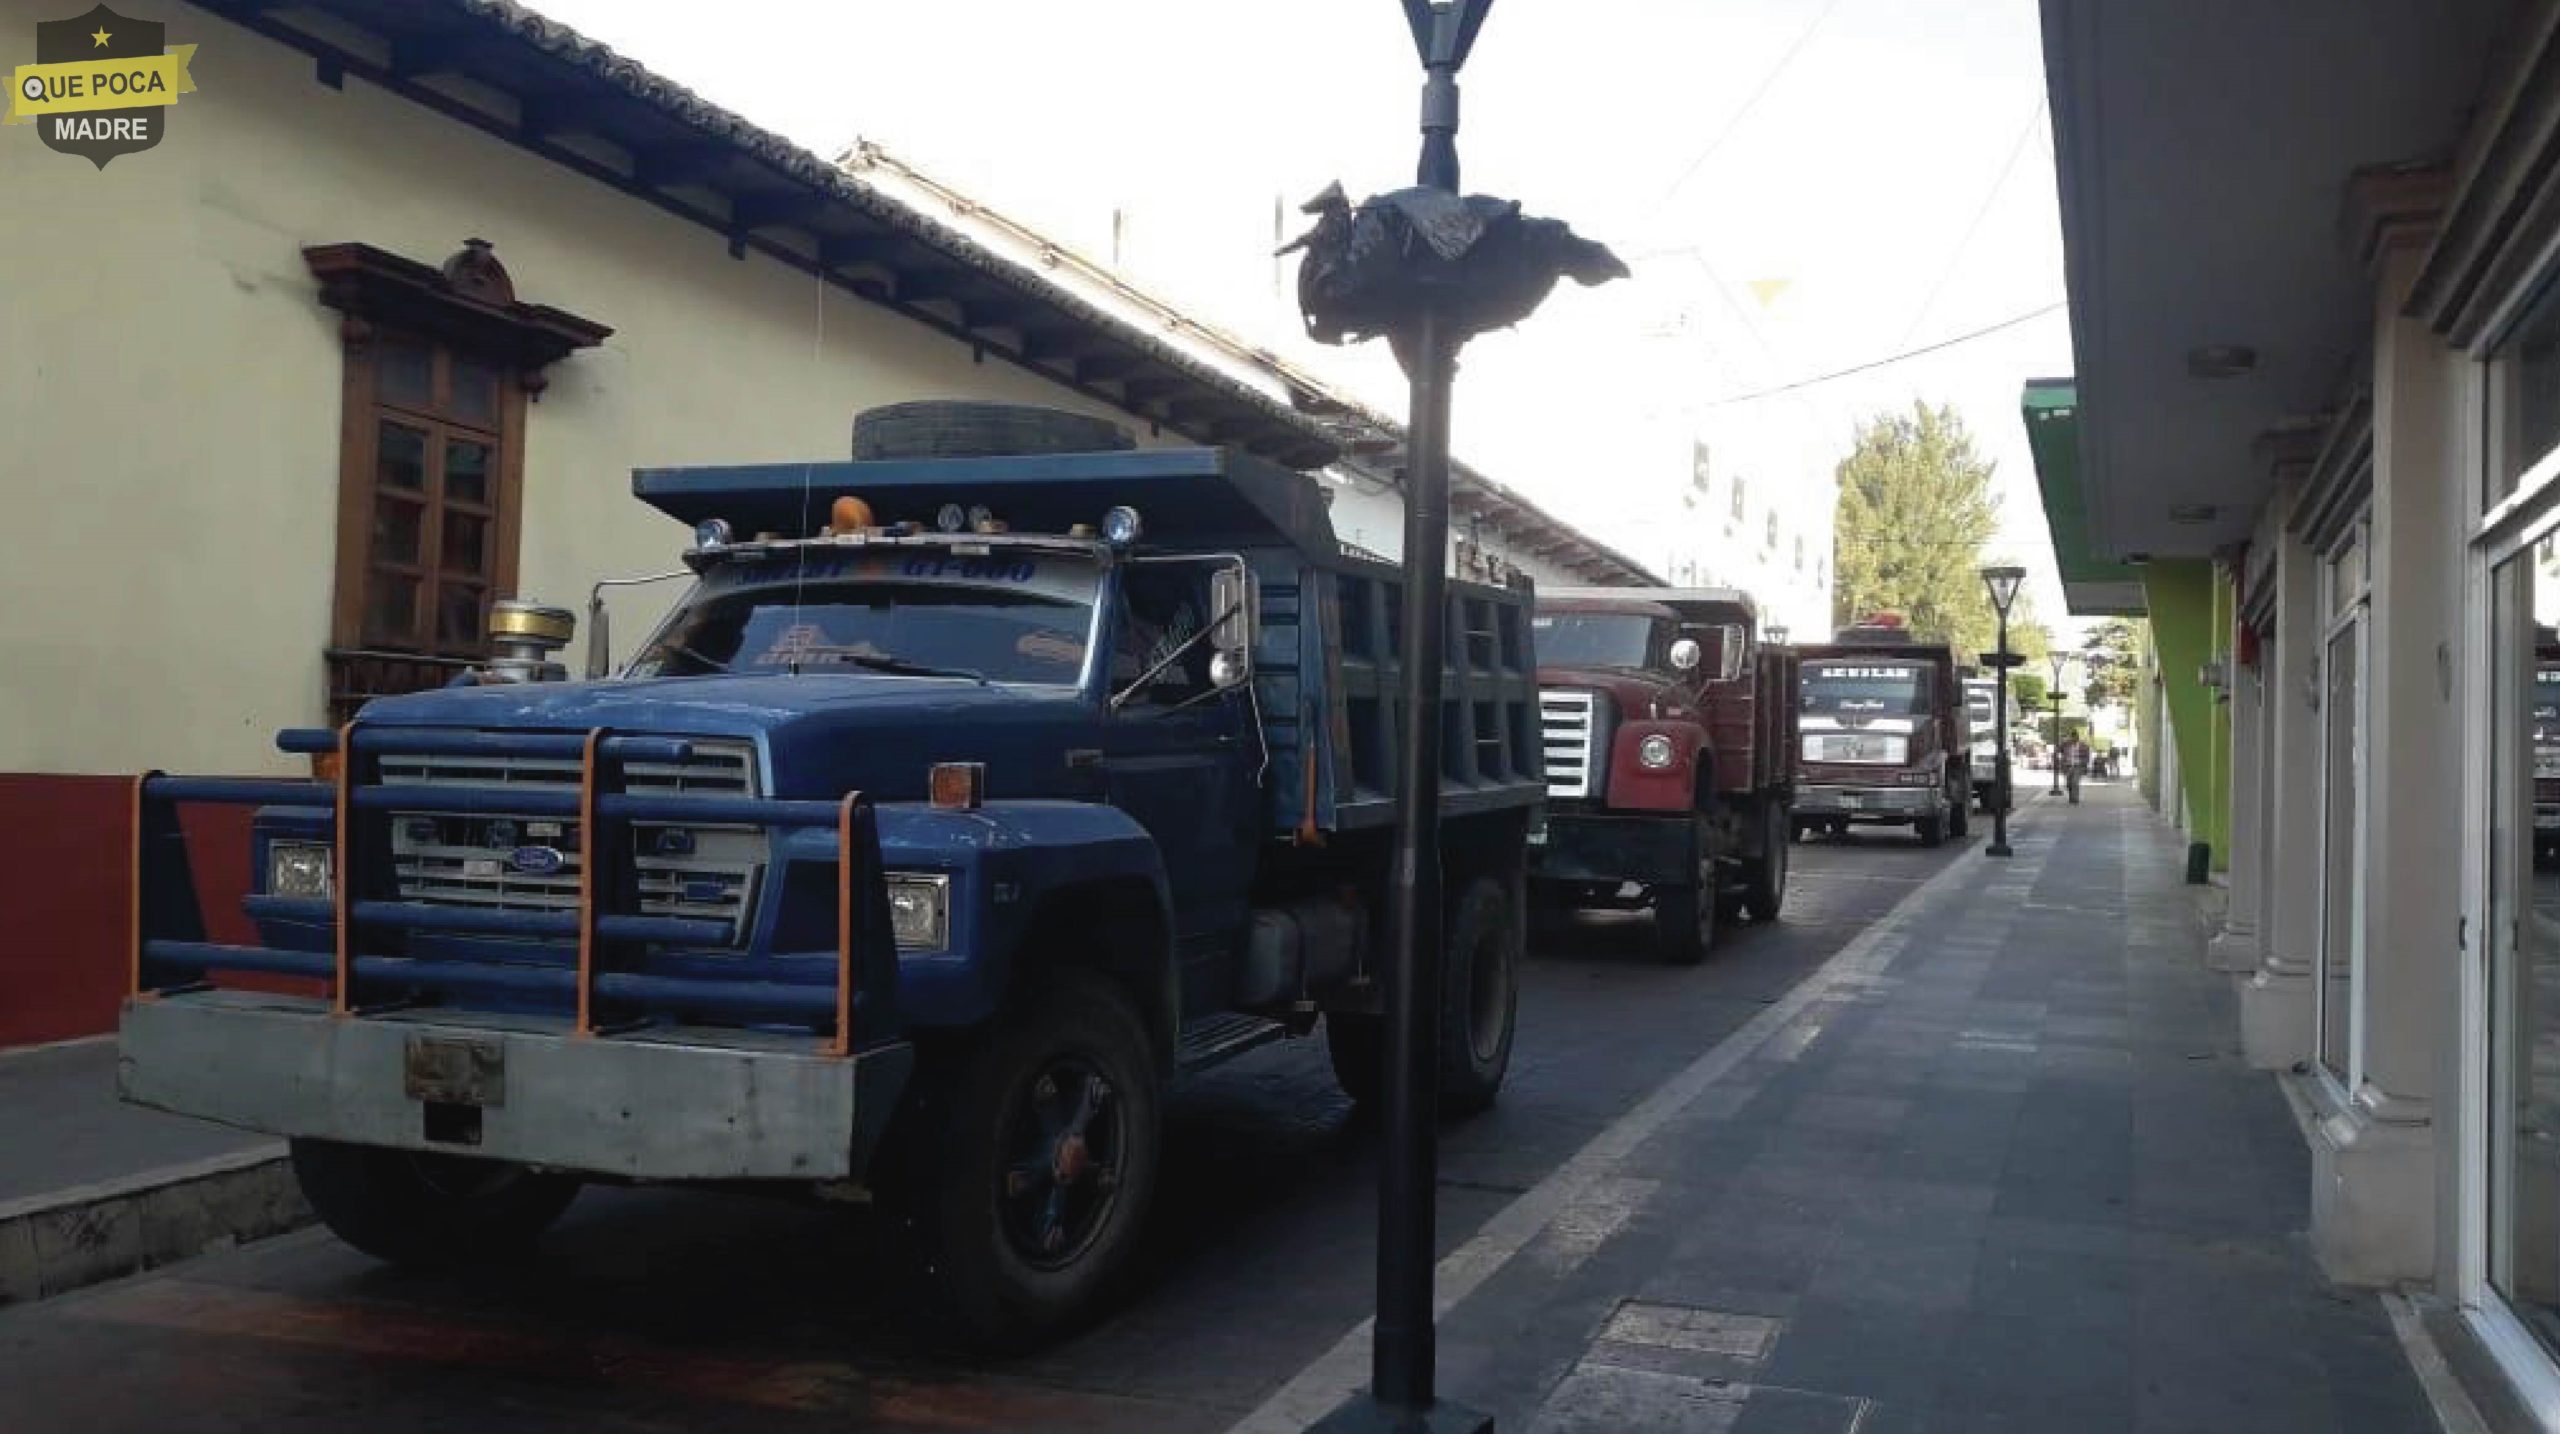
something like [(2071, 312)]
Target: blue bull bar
[(170, 952)]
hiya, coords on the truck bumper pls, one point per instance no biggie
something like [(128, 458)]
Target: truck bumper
[(1869, 804), (1653, 850), (686, 1104)]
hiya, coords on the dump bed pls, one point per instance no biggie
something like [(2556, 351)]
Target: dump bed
[(1348, 695)]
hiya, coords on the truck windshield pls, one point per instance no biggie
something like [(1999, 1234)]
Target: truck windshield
[(1005, 619), (1594, 639), (1866, 689)]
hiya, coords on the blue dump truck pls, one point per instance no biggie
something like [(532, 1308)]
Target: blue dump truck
[(960, 804)]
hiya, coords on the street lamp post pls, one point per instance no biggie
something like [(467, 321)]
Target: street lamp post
[(1778, 635), (2003, 583), (1425, 268), (2056, 695)]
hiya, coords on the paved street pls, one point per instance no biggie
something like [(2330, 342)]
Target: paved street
[(657, 1310), (1982, 1159)]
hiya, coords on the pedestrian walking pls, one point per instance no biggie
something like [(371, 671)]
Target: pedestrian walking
[(2075, 765)]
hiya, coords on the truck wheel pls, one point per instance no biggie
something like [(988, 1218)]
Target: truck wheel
[(1684, 917), (427, 1211), (1038, 1159), (1932, 830), (951, 428), (1766, 891), (1479, 1007), (1479, 995)]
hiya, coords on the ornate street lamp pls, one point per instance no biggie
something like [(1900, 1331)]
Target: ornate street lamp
[(1778, 634), (2003, 583), (1425, 268)]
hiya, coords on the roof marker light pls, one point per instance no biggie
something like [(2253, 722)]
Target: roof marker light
[(951, 518), (711, 533), (1120, 526)]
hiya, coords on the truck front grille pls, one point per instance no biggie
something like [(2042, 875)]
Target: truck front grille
[(1571, 722), (706, 871)]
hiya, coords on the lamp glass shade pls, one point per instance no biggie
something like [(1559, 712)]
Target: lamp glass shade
[(2003, 583)]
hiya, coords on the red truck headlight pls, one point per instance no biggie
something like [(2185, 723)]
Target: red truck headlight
[(1656, 751)]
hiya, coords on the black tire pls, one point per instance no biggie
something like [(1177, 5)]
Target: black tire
[(427, 1211), (1479, 994), (1479, 1007), (976, 1196), (1766, 891), (949, 428), (1684, 917), (1931, 830)]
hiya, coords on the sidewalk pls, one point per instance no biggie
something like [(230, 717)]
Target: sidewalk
[(1998, 1166), (92, 1188)]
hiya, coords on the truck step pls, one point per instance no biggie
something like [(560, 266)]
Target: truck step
[(1212, 1039)]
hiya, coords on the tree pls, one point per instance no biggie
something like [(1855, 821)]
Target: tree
[(2027, 694), (2113, 653), (1916, 508)]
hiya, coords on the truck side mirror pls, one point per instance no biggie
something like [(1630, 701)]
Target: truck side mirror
[(1686, 655), (1231, 598)]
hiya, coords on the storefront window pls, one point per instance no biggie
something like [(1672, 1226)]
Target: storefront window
[(2524, 930), (2524, 397)]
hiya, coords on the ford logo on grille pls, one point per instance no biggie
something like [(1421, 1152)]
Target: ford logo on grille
[(536, 860)]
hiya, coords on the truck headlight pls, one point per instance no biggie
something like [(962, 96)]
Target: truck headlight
[(301, 869), (920, 911), (1654, 751)]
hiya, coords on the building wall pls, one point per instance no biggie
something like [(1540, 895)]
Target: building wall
[(2182, 602)]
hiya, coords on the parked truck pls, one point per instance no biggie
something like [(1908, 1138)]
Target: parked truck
[(939, 825), (1670, 731), (1884, 734)]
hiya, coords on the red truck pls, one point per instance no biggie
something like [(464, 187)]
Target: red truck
[(1670, 733), (1884, 734)]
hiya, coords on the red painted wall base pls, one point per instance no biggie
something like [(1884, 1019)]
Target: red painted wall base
[(66, 855)]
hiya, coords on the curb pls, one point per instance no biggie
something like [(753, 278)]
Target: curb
[(55, 1243)]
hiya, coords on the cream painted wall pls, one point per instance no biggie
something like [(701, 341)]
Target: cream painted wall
[(169, 392)]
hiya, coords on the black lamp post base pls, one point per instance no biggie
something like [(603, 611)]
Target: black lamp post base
[(1360, 1414), (1998, 848)]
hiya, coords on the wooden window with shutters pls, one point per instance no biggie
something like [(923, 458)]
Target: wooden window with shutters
[(434, 473), (441, 365)]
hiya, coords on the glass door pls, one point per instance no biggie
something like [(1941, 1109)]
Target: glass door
[(2524, 932)]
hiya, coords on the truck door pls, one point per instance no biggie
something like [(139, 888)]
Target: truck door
[(1182, 758)]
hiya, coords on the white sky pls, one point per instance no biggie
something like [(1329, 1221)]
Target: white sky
[(1862, 177)]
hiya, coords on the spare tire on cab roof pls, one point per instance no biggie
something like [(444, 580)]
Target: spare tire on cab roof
[(956, 428)]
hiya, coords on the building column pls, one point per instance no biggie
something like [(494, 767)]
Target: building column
[(2373, 1160), (2275, 999), (2235, 947)]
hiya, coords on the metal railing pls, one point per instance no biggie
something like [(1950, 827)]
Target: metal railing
[(849, 999)]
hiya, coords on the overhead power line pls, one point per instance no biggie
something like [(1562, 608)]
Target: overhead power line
[(1890, 359), (1758, 92), (1991, 196)]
